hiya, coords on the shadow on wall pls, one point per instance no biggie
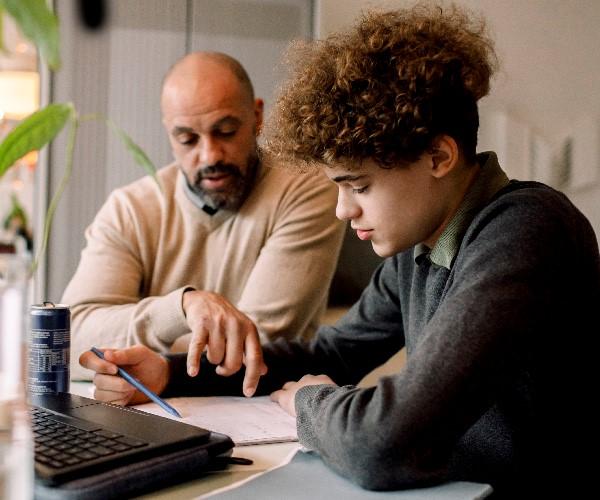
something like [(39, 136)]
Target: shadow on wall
[(355, 266)]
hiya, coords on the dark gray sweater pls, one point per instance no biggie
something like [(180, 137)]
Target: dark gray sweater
[(498, 385)]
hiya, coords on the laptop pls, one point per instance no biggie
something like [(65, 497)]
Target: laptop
[(76, 436)]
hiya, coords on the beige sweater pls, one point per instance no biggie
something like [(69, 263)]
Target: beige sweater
[(273, 259)]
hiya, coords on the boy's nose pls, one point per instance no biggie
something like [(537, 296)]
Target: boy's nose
[(346, 208)]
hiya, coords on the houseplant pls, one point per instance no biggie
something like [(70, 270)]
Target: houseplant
[(38, 24)]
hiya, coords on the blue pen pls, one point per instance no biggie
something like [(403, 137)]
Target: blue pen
[(141, 387)]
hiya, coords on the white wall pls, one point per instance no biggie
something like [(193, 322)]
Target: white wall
[(550, 68)]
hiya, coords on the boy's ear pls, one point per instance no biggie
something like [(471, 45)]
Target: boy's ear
[(444, 155)]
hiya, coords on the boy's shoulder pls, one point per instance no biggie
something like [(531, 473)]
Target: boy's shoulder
[(535, 201), (525, 211), (531, 191)]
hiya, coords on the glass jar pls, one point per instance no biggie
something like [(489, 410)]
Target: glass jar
[(16, 440)]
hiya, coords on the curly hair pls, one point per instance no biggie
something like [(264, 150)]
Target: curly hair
[(383, 90)]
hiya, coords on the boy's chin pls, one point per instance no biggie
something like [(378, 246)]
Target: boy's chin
[(382, 250), (386, 249)]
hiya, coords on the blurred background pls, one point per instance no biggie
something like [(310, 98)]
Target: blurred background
[(542, 115)]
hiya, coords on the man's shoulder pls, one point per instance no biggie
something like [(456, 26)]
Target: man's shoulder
[(149, 187), (143, 200), (284, 182)]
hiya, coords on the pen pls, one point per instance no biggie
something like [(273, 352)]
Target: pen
[(141, 387)]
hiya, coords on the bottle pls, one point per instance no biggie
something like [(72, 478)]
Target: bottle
[(16, 439)]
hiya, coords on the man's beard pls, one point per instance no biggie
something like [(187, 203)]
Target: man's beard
[(235, 193)]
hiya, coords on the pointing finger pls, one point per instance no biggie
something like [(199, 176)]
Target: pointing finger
[(255, 366), (196, 348)]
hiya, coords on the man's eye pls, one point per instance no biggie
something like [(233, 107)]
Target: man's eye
[(226, 133), (360, 189), (187, 140)]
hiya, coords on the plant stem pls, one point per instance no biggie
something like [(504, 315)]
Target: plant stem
[(59, 191), (91, 116)]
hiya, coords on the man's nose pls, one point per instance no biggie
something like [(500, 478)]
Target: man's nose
[(210, 152), (346, 208)]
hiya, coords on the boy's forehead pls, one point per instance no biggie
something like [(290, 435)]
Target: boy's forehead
[(335, 172), (343, 170)]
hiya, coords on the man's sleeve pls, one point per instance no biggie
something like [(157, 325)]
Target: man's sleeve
[(104, 294), (367, 336), (287, 290)]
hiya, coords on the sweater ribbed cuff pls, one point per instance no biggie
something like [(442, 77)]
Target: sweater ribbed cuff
[(171, 323), (307, 402)]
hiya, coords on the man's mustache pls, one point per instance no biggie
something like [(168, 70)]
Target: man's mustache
[(218, 169)]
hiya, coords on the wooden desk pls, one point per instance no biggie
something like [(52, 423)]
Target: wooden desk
[(265, 457)]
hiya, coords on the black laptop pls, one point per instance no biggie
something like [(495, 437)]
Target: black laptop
[(77, 437)]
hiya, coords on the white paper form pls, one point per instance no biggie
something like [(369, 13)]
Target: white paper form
[(245, 420)]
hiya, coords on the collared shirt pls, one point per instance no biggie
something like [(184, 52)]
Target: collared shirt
[(489, 181), (196, 198)]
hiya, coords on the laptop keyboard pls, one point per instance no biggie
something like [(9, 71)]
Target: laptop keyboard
[(61, 445)]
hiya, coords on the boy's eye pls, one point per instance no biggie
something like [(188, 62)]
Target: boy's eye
[(359, 190)]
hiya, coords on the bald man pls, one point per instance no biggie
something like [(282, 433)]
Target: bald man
[(230, 252)]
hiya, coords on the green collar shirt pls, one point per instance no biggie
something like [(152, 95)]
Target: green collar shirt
[(489, 181)]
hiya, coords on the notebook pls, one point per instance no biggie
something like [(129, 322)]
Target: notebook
[(255, 420), (77, 437)]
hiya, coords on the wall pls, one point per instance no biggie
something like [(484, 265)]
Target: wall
[(550, 68)]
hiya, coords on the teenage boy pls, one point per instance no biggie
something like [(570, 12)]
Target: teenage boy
[(489, 283)]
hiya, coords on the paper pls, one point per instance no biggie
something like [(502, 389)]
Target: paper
[(245, 420)]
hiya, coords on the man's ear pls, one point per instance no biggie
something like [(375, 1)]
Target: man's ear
[(444, 155), (259, 106)]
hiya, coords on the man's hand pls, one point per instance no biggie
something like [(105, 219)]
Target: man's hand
[(286, 396), (142, 363), (228, 335)]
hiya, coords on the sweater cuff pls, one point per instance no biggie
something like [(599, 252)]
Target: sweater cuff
[(170, 323), (307, 403)]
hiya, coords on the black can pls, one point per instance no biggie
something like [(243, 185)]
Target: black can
[(49, 348)]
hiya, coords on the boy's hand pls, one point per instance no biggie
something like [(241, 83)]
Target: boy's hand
[(142, 363), (287, 394)]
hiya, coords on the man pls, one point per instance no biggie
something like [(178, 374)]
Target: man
[(226, 247), (484, 280)]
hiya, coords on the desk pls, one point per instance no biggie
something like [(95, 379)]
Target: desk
[(268, 456), (265, 456)]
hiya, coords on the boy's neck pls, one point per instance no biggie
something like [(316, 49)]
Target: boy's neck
[(466, 176)]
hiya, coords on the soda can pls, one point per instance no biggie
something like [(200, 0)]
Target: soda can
[(49, 348)]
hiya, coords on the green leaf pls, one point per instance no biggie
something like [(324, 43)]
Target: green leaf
[(39, 24), (33, 133), (16, 212), (2, 47), (140, 157)]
